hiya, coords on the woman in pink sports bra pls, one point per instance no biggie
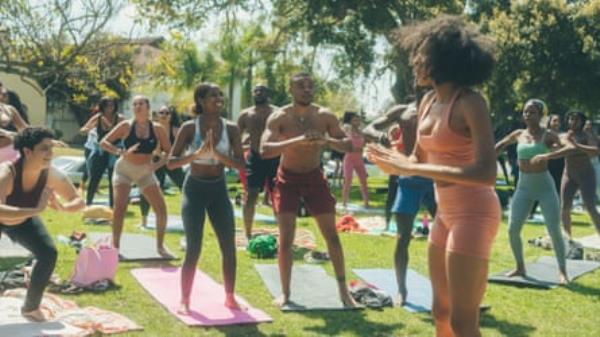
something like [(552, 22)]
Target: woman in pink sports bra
[(455, 148), (353, 160)]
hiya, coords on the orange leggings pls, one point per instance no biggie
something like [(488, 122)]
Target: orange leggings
[(467, 219)]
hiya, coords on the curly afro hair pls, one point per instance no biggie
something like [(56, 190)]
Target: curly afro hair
[(31, 136), (453, 50)]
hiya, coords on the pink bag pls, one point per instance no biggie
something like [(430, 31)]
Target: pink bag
[(95, 263)]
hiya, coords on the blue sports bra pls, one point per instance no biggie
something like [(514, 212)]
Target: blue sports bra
[(223, 146)]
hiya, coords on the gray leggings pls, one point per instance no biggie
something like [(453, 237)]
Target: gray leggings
[(530, 188), (201, 196)]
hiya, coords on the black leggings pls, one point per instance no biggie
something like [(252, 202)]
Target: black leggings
[(86, 173), (98, 162), (32, 235), (201, 196), (176, 176)]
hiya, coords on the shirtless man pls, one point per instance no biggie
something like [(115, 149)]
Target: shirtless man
[(411, 191), (298, 132), (258, 170), (579, 173)]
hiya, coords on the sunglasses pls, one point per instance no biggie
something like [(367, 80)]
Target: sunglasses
[(164, 112)]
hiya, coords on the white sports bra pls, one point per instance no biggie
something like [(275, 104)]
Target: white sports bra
[(223, 146)]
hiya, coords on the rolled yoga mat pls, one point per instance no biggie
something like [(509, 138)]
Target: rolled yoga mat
[(543, 273), (207, 299), (134, 247), (311, 287)]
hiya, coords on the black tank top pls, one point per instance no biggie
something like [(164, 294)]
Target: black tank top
[(20, 198), (147, 145)]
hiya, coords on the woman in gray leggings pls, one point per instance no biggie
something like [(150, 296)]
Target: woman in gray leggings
[(212, 143), (535, 147)]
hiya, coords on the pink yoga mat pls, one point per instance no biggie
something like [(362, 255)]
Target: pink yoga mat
[(207, 298)]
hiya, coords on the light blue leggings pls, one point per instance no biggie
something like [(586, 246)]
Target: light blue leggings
[(532, 187)]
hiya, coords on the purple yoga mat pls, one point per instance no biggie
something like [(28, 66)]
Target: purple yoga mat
[(206, 307)]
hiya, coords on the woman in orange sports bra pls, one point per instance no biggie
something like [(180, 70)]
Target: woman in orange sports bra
[(455, 148)]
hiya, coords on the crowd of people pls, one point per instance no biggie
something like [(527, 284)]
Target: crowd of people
[(438, 150)]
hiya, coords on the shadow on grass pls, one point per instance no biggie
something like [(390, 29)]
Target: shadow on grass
[(340, 322), (583, 290), (582, 223), (506, 328), (250, 330)]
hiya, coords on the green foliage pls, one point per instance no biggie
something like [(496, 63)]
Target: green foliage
[(546, 49), (62, 45)]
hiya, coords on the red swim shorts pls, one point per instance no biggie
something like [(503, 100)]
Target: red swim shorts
[(310, 186)]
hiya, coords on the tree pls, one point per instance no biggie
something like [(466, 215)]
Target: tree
[(63, 46), (546, 49), (350, 27)]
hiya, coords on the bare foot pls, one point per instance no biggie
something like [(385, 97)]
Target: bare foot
[(164, 252), (184, 309), (282, 301), (516, 272), (563, 279), (348, 301), (36, 315), (231, 303), (402, 296)]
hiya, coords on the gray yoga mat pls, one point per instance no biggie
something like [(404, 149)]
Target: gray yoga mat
[(12, 250), (543, 273), (174, 223), (420, 295), (257, 216), (590, 242), (311, 288), (134, 247)]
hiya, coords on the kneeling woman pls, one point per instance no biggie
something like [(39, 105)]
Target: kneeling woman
[(534, 145), (212, 143), (26, 187), (135, 166)]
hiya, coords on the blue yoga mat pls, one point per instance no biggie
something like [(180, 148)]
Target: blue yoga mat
[(420, 295)]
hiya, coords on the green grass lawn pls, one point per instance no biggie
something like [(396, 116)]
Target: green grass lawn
[(516, 312)]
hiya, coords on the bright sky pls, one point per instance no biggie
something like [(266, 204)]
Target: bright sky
[(372, 93)]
